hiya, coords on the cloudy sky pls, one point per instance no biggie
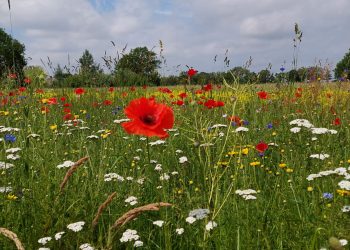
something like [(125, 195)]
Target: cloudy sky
[(193, 32)]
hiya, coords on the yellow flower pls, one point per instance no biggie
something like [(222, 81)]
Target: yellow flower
[(44, 100), (4, 113), (274, 133), (83, 111), (343, 192), (245, 151), (310, 189), (289, 170), (233, 153), (76, 117), (223, 163), (282, 165), (53, 127), (255, 163), (12, 197), (190, 182), (349, 161)]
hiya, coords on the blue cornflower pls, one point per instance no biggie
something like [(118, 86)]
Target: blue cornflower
[(328, 196), (10, 138), (245, 123), (233, 124), (282, 69), (269, 126)]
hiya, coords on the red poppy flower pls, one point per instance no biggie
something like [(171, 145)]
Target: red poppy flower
[(210, 104), (180, 102), (67, 105), (148, 118), (107, 102), (22, 89), (182, 95), (261, 147), (52, 101), (27, 80), (132, 88), (66, 111), (39, 91), (191, 72), (79, 91), (337, 121), (199, 92), (208, 87), (220, 104), (262, 94), (63, 99), (67, 117), (111, 89), (297, 94)]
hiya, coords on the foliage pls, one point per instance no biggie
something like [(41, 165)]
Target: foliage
[(204, 164), (141, 61), (87, 64), (12, 58), (265, 76), (342, 70)]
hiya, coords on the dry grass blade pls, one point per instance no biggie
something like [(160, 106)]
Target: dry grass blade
[(102, 207), (11, 235), (71, 170), (133, 213)]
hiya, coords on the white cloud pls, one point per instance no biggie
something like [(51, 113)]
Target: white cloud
[(193, 32)]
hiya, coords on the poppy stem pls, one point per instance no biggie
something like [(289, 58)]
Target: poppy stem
[(147, 146)]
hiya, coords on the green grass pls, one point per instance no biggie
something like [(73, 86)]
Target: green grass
[(285, 214)]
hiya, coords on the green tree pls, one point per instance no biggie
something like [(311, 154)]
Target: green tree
[(142, 62), (12, 58), (87, 64), (342, 70), (242, 75), (302, 73), (293, 76), (265, 76)]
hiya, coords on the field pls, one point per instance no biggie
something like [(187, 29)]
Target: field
[(239, 169)]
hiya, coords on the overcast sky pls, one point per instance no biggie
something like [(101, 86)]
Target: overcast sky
[(192, 32)]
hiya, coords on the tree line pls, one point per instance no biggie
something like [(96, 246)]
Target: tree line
[(140, 67)]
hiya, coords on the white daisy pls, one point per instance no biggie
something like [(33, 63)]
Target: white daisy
[(44, 240), (183, 159), (211, 225), (77, 226), (129, 235), (179, 231), (158, 223), (86, 246)]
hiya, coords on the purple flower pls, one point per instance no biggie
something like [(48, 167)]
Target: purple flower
[(269, 126), (327, 196), (10, 138)]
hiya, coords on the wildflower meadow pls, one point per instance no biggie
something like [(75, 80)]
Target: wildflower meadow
[(218, 166)]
